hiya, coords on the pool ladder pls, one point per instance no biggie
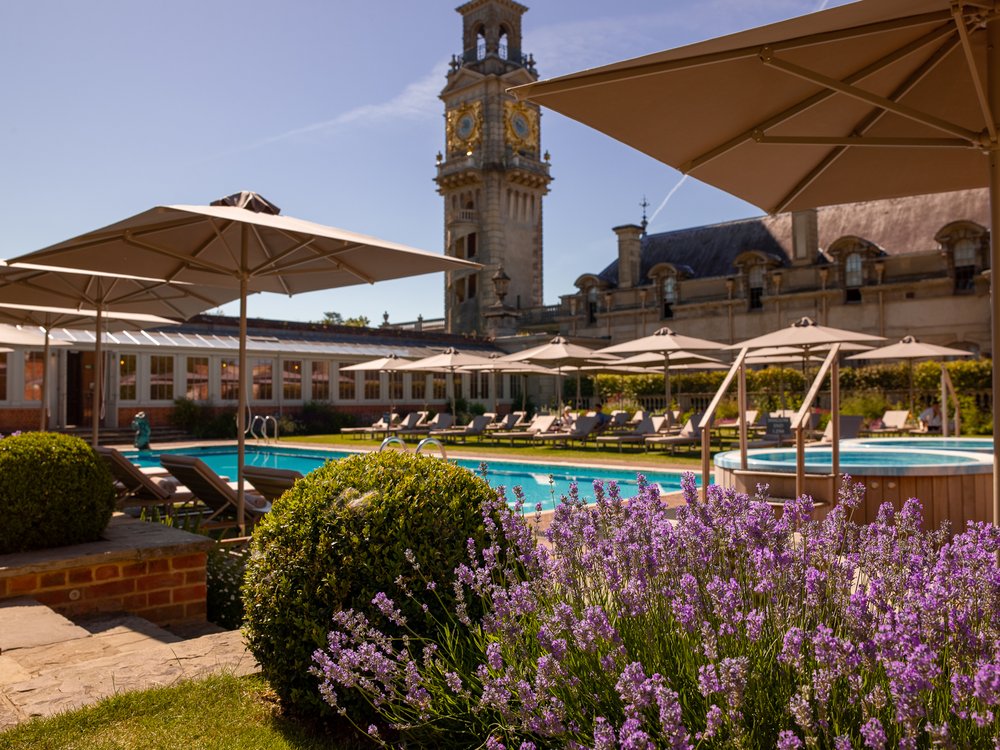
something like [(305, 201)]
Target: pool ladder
[(395, 440), (258, 428)]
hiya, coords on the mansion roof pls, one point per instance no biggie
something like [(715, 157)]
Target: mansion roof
[(898, 226)]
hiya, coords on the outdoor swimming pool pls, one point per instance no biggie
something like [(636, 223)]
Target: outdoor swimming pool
[(542, 483)]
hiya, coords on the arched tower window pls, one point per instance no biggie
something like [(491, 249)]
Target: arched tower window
[(503, 48), (480, 42)]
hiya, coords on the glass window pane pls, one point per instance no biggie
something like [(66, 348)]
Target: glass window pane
[(196, 387), (229, 380), (396, 386), (373, 390), (418, 386), (262, 379), (291, 379), (347, 386), (126, 377), (853, 271), (161, 378), (320, 381), (33, 376), (440, 386)]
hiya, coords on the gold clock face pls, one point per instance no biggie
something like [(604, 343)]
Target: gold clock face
[(465, 127), (521, 126)]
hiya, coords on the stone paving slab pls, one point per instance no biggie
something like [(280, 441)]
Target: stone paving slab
[(61, 687), (26, 623), (99, 657)]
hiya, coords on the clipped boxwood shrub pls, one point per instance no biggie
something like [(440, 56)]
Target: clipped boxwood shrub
[(54, 491), (339, 537)]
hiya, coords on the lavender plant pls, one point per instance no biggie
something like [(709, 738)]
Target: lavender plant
[(728, 627)]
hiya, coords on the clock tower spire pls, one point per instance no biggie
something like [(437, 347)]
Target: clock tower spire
[(492, 174)]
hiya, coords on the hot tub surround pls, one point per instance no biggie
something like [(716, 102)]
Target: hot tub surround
[(953, 484)]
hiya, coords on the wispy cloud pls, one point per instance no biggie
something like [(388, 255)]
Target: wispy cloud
[(415, 102)]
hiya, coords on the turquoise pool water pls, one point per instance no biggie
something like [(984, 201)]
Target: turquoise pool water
[(534, 478), (861, 458), (978, 445)]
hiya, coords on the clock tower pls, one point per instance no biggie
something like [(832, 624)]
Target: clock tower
[(492, 173)]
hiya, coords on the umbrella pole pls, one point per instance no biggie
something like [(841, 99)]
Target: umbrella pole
[(578, 402), (98, 374), (992, 65), (666, 387), (242, 391), (45, 383)]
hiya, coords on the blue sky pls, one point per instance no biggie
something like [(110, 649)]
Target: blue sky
[(327, 108)]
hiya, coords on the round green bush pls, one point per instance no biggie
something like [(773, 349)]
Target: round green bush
[(339, 537), (54, 491)]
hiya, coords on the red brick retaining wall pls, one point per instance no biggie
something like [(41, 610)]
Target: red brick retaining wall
[(142, 568)]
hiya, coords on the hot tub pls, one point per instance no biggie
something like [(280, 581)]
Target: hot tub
[(953, 477)]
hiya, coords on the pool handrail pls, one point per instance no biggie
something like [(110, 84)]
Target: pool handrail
[(832, 365), (390, 440), (705, 425), (431, 441)]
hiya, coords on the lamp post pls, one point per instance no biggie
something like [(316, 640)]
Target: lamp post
[(501, 320)]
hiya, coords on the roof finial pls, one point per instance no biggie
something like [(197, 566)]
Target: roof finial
[(645, 205)]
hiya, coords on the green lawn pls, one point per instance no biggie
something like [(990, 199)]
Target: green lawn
[(588, 454), (218, 713)]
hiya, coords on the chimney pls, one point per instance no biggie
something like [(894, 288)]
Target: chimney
[(629, 255), (805, 236)]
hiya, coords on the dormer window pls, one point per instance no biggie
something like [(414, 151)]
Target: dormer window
[(592, 298), (965, 256), (669, 290), (855, 258), (854, 277), (755, 287)]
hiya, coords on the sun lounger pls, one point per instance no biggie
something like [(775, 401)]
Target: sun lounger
[(894, 422), (649, 427), (475, 428), (214, 492), (270, 483), (383, 424), (582, 429), (441, 421), (505, 423), (539, 424), (136, 488), (688, 436), (850, 426)]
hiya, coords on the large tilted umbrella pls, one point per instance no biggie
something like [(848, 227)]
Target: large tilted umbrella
[(909, 348), (451, 360), (666, 343), (875, 99), (27, 284), (47, 318), (241, 243)]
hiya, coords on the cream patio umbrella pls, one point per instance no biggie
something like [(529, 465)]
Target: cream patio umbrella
[(558, 353), (497, 364), (47, 318), (875, 99), (390, 363), (664, 342), (451, 360), (243, 244), (909, 348), (26, 284)]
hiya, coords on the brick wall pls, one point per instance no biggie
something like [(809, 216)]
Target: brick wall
[(166, 590)]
